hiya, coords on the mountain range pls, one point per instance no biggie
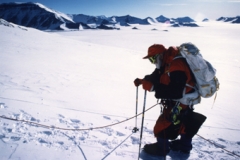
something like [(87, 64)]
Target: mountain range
[(38, 16), (230, 19)]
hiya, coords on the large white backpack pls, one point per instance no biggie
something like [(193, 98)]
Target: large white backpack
[(206, 81)]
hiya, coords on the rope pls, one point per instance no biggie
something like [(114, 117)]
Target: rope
[(232, 153), (116, 147), (84, 129), (53, 127)]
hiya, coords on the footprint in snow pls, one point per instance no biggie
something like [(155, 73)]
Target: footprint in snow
[(120, 134), (47, 132), (13, 138), (62, 121), (219, 145), (16, 116), (9, 130), (75, 120), (25, 116), (40, 140), (106, 117), (34, 119), (220, 139), (135, 140), (105, 144), (2, 136), (61, 116), (2, 105), (60, 143)]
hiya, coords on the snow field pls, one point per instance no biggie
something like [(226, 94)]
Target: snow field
[(85, 79)]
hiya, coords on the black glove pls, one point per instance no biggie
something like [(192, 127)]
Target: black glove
[(137, 82)]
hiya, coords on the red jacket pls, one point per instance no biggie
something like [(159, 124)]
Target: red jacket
[(169, 82)]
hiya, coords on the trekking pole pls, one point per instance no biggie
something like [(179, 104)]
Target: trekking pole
[(144, 104), (135, 129)]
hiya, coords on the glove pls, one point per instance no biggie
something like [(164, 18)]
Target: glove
[(137, 82), (175, 113), (147, 85)]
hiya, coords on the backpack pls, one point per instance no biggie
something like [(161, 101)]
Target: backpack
[(205, 75)]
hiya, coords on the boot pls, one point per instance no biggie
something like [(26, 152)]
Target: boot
[(184, 144), (160, 148)]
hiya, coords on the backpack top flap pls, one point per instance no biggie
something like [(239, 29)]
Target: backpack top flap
[(201, 68)]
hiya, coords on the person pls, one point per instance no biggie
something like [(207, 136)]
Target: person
[(171, 81)]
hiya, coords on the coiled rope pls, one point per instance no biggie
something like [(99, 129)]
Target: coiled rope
[(84, 129)]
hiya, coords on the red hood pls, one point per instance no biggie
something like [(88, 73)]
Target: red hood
[(170, 54)]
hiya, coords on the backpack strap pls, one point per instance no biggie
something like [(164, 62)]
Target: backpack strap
[(188, 99), (178, 56)]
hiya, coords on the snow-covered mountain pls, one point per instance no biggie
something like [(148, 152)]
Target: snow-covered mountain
[(99, 20), (205, 20), (177, 22), (38, 16), (90, 19), (162, 19), (183, 20), (230, 19), (6, 23), (126, 20), (34, 15)]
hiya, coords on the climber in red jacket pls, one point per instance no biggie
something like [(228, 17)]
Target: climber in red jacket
[(171, 80)]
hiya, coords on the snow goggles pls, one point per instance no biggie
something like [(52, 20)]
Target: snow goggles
[(153, 59)]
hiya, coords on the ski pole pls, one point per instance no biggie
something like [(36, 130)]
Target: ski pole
[(144, 104), (135, 129)]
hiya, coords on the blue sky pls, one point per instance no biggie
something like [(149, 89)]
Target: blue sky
[(195, 9)]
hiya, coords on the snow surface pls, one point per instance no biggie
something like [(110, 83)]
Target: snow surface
[(84, 79)]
